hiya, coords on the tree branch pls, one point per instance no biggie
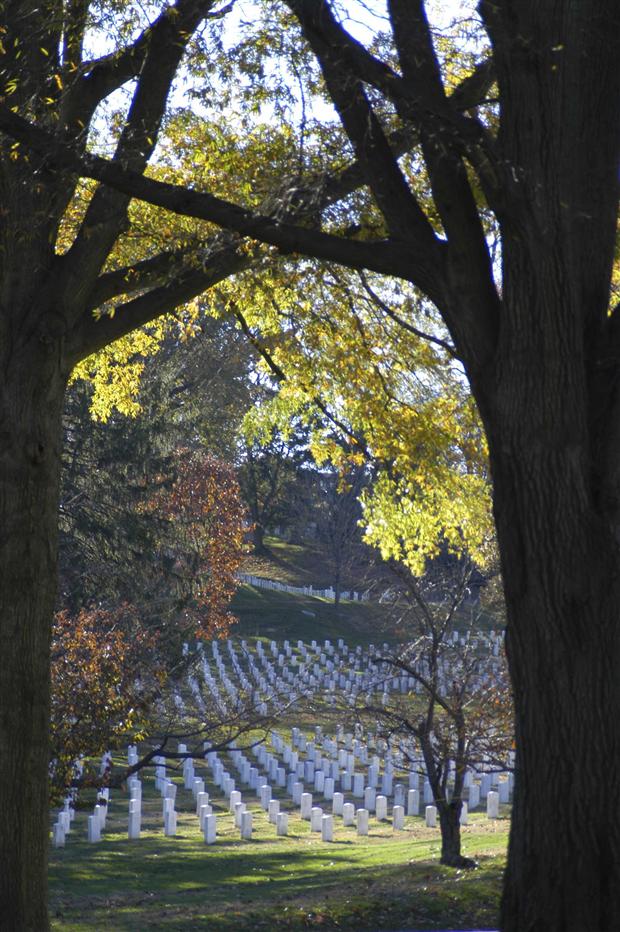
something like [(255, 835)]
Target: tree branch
[(404, 216), (385, 256), (389, 312), (160, 51), (91, 334)]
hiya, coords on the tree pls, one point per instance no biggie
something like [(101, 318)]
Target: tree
[(105, 678), (460, 714), (148, 523), (268, 475), (539, 350), (338, 523), (111, 659)]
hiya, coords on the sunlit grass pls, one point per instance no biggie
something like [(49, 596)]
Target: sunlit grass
[(282, 883)]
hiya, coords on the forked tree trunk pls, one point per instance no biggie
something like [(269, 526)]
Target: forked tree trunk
[(31, 397), (450, 826)]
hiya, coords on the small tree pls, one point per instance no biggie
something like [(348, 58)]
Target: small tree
[(460, 712), (338, 519), (111, 663), (104, 679)]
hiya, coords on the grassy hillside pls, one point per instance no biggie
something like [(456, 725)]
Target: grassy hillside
[(280, 615), (306, 565)]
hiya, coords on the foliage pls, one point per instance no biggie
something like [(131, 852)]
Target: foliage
[(377, 366), (122, 480), (271, 477), (203, 540), (104, 679)]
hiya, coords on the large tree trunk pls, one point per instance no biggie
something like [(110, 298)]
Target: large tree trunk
[(31, 396), (551, 414), (258, 538), (557, 529), (563, 600)]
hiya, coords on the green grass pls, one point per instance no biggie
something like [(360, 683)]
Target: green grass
[(303, 565), (388, 880), (280, 615)]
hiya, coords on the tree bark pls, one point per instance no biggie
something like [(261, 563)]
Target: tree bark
[(31, 397), (258, 538), (560, 567), (450, 826)]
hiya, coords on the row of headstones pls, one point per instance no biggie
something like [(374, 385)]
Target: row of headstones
[(243, 819), (271, 683), (360, 786), (372, 801), (374, 678), (96, 821)]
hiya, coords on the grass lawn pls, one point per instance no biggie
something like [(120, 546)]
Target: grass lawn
[(301, 565), (279, 615), (389, 880)]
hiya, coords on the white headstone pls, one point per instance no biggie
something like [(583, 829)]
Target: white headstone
[(306, 805), (265, 795), (348, 814), (282, 823), (431, 816), (413, 802), (362, 821), (370, 796), (246, 825), (327, 828), (135, 818), (170, 822), (101, 812), (273, 810), (209, 829), (240, 808), (398, 818), (381, 807), (94, 828), (316, 814), (205, 810), (493, 804)]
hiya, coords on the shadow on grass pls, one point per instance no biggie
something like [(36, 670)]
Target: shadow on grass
[(154, 886)]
